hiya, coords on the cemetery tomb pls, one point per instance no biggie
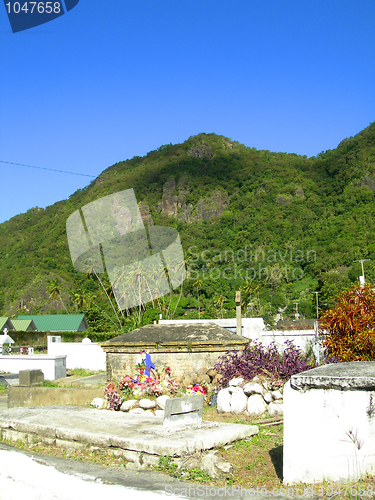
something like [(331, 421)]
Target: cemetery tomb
[(185, 348), (329, 423)]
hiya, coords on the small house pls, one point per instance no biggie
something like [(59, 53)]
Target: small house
[(6, 322), (58, 322), (24, 325)]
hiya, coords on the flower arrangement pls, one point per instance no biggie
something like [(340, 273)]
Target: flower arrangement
[(196, 390), (141, 361), (113, 397), (159, 382), (141, 384)]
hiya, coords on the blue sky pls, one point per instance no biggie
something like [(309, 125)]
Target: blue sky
[(113, 79)]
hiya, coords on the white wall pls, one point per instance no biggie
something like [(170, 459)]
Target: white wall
[(252, 328), (85, 354), (317, 445), (300, 338), (255, 329), (53, 367)]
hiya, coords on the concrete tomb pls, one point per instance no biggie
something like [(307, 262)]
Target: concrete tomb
[(53, 367), (329, 423), (185, 348), (137, 438)]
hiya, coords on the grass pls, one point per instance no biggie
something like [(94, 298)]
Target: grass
[(166, 464), (98, 457), (49, 383), (3, 390), (81, 372)]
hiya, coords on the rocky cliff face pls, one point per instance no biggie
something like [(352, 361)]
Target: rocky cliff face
[(173, 202)]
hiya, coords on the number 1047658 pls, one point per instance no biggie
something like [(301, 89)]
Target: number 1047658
[(34, 7)]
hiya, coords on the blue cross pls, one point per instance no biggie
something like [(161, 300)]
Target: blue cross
[(149, 364)]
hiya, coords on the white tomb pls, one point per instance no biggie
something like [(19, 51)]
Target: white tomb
[(329, 423)]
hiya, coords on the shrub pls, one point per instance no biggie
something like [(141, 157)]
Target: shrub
[(257, 359), (349, 327)]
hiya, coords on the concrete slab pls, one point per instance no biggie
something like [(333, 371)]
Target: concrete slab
[(135, 437), (342, 376)]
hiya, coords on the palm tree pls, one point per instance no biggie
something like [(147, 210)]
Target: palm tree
[(180, 269), (91, 270), (79, 299), (54, 290), (86, 300), (248, 290), (219, 301)]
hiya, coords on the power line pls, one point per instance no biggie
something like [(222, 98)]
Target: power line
[(43, 168)]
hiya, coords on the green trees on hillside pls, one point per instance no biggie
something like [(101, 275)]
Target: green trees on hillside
[(291, 225)]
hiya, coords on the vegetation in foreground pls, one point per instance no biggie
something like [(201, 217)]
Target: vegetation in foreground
[(348, 329)]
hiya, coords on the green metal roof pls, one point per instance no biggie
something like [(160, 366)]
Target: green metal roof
[(58, 322), (5, 322), (22, 325)]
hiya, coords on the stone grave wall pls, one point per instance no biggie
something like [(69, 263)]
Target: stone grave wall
[(182, 360)]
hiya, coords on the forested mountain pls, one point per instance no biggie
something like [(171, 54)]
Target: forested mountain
[(278, 226)]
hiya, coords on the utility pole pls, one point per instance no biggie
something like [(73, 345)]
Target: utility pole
[(238, 313), (317, 304), (297, 315), (363, 269)]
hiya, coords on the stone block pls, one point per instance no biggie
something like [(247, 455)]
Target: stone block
[(188, 381), (181, 412), (212, 373), (277, 394), (275, 409), (128, 405), (256, 405), (203, 379), (238, 401), (253, 388), (236, 381), (267, 397), (98, 403), (146, 404), (31, 377), (161, 400), (223, 401)]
